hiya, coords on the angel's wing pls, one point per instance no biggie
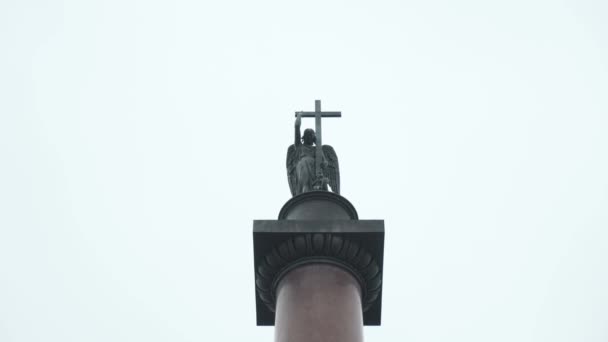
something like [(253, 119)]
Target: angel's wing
[(291, 169), (332, 171)]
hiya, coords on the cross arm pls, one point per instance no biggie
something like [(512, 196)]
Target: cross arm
[(323, 114)]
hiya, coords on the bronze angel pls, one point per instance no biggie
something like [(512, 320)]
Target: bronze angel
[(307, 173)]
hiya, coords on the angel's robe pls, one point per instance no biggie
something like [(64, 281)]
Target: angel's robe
[(305, 167)]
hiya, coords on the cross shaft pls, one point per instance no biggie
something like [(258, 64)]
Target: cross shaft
[(318, 114)]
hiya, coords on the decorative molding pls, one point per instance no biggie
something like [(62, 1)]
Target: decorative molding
[(318, 248)]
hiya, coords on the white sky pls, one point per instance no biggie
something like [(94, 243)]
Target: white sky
[(139, 139)]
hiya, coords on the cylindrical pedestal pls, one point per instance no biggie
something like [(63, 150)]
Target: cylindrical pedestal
[(318, 303)]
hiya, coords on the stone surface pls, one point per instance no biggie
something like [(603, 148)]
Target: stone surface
[(318, 303)]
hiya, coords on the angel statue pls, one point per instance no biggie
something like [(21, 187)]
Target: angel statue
[(309, 167)]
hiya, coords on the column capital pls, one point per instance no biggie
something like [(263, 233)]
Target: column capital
[(356, 246)]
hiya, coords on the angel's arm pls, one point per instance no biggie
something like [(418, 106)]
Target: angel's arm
[(298, 135)]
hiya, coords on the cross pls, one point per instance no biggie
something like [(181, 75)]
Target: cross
[(318, 114)]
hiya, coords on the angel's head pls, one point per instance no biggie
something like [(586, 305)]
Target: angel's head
[(309, 136)]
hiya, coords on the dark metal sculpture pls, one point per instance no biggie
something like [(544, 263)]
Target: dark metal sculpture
[(309, 167)]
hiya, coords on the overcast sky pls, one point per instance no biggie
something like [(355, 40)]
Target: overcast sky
[(139, 139)]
